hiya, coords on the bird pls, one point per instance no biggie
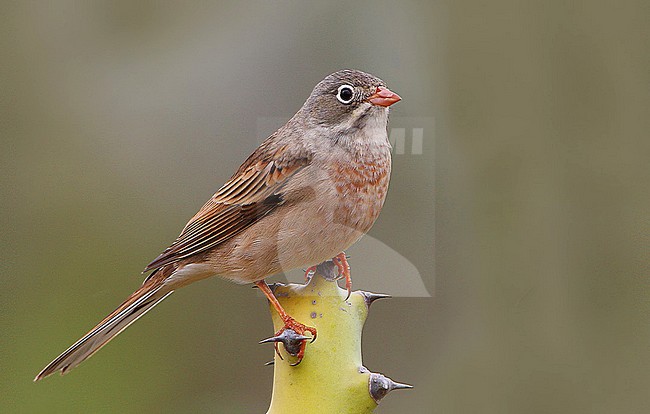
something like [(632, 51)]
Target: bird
[(307, 193)]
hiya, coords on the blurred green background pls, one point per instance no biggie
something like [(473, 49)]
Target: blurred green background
[(527, 213)]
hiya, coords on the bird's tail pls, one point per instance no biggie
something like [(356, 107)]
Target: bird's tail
[(152, 292)]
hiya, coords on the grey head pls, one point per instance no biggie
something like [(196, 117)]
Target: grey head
[(346, 100)]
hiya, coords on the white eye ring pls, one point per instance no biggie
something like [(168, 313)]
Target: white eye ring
[(343, 89)]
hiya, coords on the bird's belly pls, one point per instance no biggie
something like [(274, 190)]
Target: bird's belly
[(297, 238), (298, 235)]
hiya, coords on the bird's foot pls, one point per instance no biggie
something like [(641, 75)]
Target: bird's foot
[(292, 337), (291, 334), (309, 273), (341, 261)]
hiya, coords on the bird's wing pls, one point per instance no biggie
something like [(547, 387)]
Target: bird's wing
[(253, 192)]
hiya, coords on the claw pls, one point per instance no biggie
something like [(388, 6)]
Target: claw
[(275, 340), (277, 351), (309, 272), (344, 270)]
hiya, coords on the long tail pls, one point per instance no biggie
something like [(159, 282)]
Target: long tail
[(152, 292)]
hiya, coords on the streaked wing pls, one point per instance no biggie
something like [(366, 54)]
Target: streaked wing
[(253, 192)]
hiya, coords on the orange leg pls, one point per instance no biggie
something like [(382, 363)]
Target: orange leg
[(344, 270), (289, 324)]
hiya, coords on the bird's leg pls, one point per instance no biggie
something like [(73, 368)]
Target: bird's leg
[(341, 262), (291, 334)]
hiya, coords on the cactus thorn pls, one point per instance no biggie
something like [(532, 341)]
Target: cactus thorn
[(370, 297), (381, 385), (290, 339)]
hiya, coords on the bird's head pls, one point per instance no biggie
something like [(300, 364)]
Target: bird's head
[(347, 100)]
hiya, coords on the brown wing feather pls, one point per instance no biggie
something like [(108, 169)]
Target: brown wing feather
[(253, 192)]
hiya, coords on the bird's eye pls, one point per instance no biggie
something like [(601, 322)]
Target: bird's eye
[(345, 94)]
